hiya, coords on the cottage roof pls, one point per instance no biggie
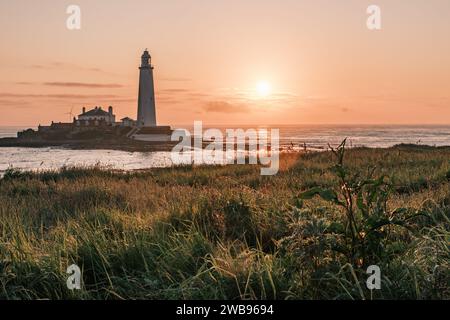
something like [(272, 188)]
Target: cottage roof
[(95, 112)]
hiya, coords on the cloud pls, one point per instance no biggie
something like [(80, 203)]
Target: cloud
[(174, 79), (63, 65), (169, 99), (163, 91), (83, 85), (198, 95), (224, 107), (58, 96), (118, 100), (15, 103), (180, 95), (73, 84), (39, 66)]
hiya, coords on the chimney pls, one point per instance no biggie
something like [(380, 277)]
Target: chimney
[(110, 110), (84, 109)]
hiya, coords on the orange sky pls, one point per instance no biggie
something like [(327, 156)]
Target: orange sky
[(318, 58)]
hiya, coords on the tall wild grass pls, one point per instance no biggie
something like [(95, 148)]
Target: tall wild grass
[(225, 232)]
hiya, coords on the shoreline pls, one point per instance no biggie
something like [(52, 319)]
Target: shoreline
[(119, 144), (129, 145), (285, 155)]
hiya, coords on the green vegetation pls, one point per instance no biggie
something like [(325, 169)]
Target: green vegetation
[(309, 232)]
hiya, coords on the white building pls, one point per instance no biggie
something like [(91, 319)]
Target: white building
[(96, 116), (127, 122)]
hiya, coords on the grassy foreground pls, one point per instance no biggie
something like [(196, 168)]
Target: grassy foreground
[(309, 232)]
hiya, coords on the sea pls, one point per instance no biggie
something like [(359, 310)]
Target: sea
[(292, 138)]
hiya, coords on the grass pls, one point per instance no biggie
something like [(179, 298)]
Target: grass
[(227, 232)]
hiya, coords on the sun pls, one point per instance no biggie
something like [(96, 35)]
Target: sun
[(263, 88)]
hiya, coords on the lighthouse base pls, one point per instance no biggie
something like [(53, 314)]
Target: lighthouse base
[(153, 134)]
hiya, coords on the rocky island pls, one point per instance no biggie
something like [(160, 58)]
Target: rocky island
[(98, 129)]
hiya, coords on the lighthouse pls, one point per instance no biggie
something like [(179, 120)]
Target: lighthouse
[(146, 128), (146, 116)]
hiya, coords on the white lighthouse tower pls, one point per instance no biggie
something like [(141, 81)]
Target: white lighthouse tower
[(146, 101), (146, 128)]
